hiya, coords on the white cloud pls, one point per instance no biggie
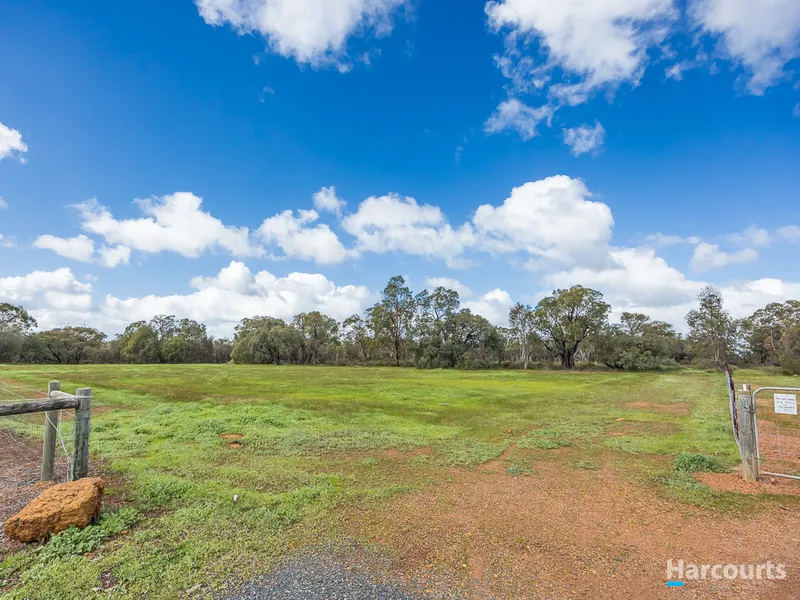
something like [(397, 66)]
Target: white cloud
[(660, 239), (326, 200), (266, 91), (6, 242), (112, 256), (492, 306), (82, 249), (3, 203), (567, 51), (313, 32), (449, 283), (635, 277), (674, 72), (11, 143), (744, 299), (79, 248), (236, 277), (752, 236), (391, 223), (236, 292), (790, 233), (640, 281), (26, 288), (298, 239), (515, 115), (66, 301), (584, 138), (796, 111), (763, 238), (595, 44), (174, 223), (709, 256), (741, 300), (552, 219), (762, 36)]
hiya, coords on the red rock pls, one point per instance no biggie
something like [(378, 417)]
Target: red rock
[(75, 503)]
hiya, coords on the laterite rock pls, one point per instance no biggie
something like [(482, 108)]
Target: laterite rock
[(76, 503)]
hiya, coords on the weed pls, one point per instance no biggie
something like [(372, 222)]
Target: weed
[(74, 541), (699, 463), (162, 491), (585, 464), (518, 470)]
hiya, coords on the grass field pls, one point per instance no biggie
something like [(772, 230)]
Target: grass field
[(314, 446)]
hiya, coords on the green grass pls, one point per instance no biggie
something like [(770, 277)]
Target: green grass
[(313, 444), (699, 463)]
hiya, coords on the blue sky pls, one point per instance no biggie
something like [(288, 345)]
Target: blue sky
[(683, 123)]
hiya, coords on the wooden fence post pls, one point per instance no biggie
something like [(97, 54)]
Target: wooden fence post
[(747, 434), (80, 446), (50, 430)]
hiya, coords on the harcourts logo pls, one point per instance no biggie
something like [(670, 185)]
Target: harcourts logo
[(680, 572)]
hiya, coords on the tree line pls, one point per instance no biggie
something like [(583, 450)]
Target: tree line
[(568, 329)]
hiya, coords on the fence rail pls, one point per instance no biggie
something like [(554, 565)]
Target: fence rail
[(34, 406), (52, 406)]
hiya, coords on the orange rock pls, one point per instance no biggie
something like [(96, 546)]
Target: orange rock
[(57, 508)]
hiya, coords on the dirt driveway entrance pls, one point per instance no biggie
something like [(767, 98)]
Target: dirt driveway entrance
[(569, 532)]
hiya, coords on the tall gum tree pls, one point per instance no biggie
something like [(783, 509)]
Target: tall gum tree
[(567, 318)]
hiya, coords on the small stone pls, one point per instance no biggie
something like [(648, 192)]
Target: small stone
[(76, 503)]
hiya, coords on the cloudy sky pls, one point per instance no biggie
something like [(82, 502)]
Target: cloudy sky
[(219, 159)]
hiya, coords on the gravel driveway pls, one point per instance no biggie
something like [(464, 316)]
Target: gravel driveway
[(318, 577)]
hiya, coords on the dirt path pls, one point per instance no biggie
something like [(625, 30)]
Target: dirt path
[(564, 532)]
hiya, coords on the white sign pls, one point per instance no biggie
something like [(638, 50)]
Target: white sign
[(786, 404)]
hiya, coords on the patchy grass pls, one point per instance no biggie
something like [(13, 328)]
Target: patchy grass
[(311, 444), (699, 463)]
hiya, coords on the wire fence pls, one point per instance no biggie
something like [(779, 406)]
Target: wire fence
[(778, 437), (21, 435)]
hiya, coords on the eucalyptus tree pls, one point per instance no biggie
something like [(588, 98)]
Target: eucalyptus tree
[(773, 334), (521, 323), (393, 317), (318, 334), (568, 317), (713, 334), (358, 335), (15, 324)]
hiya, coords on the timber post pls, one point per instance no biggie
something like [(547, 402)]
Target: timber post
[(747, 434), (51, 418), (80, 446)]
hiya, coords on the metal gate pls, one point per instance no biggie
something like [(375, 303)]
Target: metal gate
[(777, 431)]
